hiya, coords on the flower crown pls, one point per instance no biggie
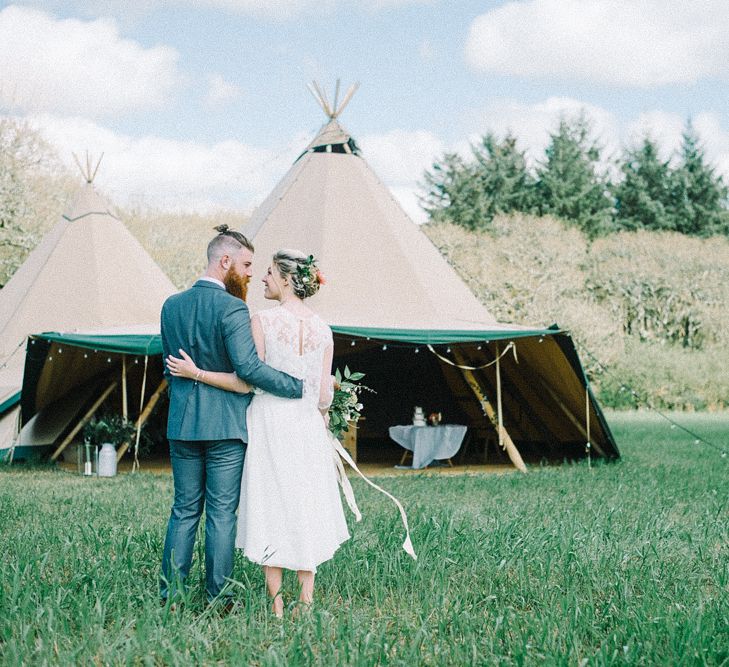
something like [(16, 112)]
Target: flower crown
[(309, 272)]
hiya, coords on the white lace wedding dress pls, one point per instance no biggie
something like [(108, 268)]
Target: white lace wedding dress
[(290, 511)]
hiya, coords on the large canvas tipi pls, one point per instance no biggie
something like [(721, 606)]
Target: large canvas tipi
[(383, 270), (401, 314), (87, 274)]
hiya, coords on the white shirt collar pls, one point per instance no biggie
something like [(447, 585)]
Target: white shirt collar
[(213, 280)]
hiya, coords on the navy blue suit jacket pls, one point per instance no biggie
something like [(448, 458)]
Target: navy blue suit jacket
[(214, 328)]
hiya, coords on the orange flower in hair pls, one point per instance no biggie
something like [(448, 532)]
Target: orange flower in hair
[(320, 277)]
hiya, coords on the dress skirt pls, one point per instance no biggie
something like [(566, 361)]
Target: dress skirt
[(290, 512)]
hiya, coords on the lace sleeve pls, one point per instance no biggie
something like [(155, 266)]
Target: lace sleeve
[(259, 340), (326, 387)]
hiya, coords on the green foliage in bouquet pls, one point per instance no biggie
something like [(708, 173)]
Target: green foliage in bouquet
[(346, 407), (109, 428)]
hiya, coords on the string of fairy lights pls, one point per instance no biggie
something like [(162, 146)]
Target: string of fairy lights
[(416, 347), (698, 439), (386, 345), (86, 355)]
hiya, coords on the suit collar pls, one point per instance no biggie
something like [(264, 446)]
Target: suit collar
[(208, 283)]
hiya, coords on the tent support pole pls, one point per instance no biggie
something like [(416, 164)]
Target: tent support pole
[(568, 413), (489, 411), (125, 411), (84, 420), (144, 416), (588, 444), (135, 465), (513, 390), (489, 389), (525, 405), (499, 411)]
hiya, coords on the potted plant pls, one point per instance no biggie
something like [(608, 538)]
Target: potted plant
[(107, 432)]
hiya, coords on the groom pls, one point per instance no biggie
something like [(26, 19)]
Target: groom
[(206, 427)]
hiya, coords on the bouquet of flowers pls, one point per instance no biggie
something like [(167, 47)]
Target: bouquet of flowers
[(346, 407)]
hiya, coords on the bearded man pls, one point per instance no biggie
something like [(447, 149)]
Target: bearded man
[(206, 426)]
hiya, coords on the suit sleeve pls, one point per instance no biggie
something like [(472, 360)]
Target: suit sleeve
[(236, 329)]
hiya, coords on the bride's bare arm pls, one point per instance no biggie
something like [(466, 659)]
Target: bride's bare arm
[(185, 367)]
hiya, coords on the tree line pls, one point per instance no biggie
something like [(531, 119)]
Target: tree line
[(683, 194), (32, 185)]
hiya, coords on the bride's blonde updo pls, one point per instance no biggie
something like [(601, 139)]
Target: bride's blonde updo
[(301, 270)]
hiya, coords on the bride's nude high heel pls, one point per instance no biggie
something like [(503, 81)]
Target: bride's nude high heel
[(277, 605)]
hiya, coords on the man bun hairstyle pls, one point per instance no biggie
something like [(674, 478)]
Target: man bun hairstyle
[(301, 271), (227, 242)]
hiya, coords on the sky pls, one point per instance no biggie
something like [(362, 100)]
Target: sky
[(202, 105)]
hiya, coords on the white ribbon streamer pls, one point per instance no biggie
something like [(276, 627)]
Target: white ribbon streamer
[(407, 545)]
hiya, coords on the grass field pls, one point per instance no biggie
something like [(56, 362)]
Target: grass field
[(626, 563)]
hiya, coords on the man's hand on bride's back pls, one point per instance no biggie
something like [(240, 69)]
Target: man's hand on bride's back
[(182, 366)]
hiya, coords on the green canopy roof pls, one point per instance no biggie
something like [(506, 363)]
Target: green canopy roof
[(146, 344), (10, 402), (441, 336), (123, 344)]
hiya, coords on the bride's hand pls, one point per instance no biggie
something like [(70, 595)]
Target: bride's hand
[(184, 368)]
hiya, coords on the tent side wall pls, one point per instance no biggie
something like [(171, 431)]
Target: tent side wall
[(66, 374), (545, 396), (544, 391)]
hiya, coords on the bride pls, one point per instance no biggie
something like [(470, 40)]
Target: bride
[(290, 514)]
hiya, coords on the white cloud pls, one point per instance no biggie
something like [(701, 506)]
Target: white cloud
[(191, 175), (399, 157), (407, 197), (531, 124), (662, 127), (79, 67), (220, 91), (622, 42), (172, 174), (715, 139)]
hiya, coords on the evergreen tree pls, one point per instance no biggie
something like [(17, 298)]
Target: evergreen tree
[(699, 196), (453, 193), (506, 183), (471, 193), (569, 186), (643, 197)]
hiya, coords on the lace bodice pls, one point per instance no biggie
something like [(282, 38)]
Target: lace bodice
[(300, 347)]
